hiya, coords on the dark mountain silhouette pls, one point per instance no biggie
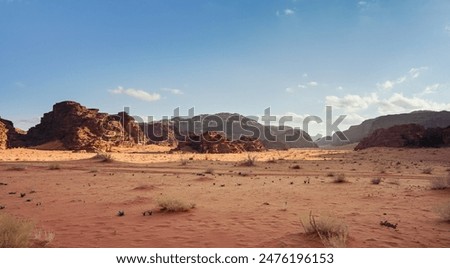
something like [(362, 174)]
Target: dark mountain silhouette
[(411, 135), (427, 119), (234, 126)]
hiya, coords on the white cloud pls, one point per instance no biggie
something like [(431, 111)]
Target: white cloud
[(430, 89), (174, 91), (285, 12), (301, 86), (413, 73), (398, 103), (137, 93), (288, 12), (340, 88), (289, 90), (447, 28), (313, 84), (352, 102)]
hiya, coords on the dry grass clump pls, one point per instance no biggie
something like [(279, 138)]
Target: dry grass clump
[(375, 181), (104, 157), (42, 238), (440, 183), (340, 178), (209, 171), (183, 162), (427, 170), (168, 204), (14, 233), (330, 230), (444, 212), (54, 167), (249, 162)]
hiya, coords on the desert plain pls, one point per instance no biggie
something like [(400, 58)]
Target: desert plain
[(76, 197)]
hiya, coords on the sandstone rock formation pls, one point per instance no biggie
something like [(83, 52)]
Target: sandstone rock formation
[(427, 119), (10, 136), (411, 135), (216, 142), (3, 136), (235, 126), (77, 128)]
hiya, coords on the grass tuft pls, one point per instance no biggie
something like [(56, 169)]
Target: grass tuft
[(14, 233), (330, 230), (168, 204), (249, 162)]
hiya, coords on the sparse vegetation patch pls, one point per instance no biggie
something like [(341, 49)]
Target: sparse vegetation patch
[(330, 230), (168, 204)]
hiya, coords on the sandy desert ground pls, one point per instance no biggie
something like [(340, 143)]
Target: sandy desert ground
[(236, 206)]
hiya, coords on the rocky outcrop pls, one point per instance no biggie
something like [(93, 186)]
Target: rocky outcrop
[(427, 119), (78, 128), (160, 133), (10, 136), (411, 135), (3, 136), (216, 142), (235, 126)]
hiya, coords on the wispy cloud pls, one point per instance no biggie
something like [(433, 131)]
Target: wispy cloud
[(396, 103), (313, 84), (174, 91), (430, 89), (412, 74), (352, 103), (285, 12), (447, 28), (288, 12), (137, 93), (289, 90)]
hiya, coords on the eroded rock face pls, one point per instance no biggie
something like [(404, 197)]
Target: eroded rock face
[(10, 136), (216, 142), (79, 128), (161, 133), (410, 135), (3, 136)]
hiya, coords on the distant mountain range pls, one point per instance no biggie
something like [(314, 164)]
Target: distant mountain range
[(355, 134), (74, 127)]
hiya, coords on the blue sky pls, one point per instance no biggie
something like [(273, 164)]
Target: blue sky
[(365, 58)]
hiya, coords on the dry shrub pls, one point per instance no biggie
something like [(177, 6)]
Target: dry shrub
[(444, 212), (375, 181), (439, 183), (42, 238), (427, 170), (168, 204), (183, 162), (54, 167), (249, 162), (340, 178), (330, 230), (103, 157), (14, 233), (209, 171)]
